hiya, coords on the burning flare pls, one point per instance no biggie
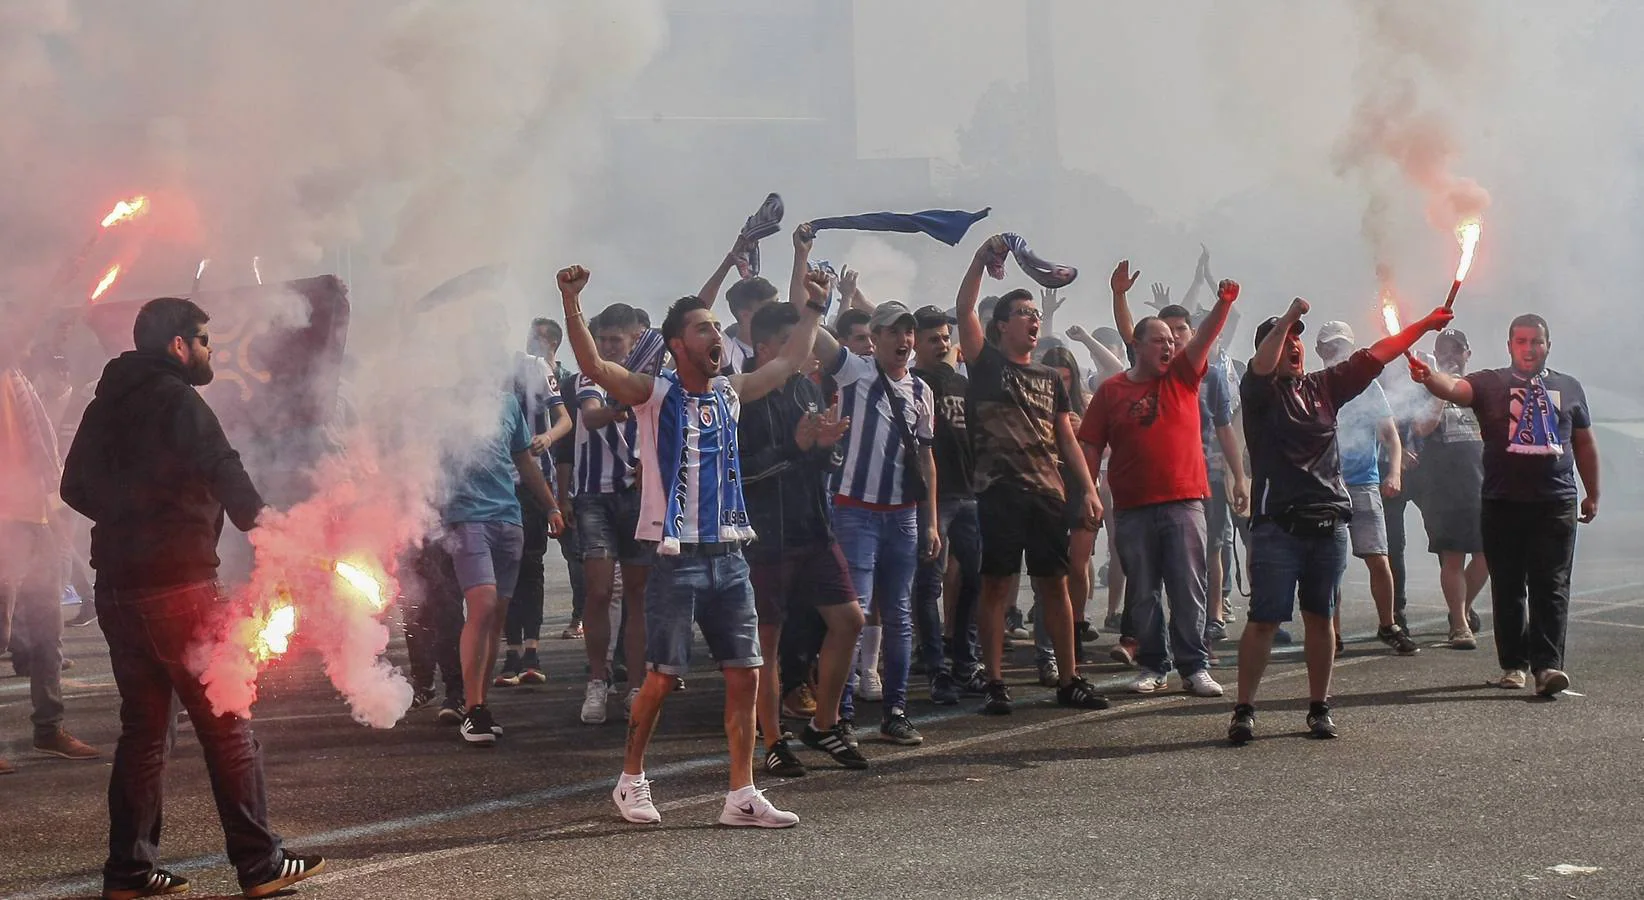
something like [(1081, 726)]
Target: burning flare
[(360, 580), (1390, 315), (1468, 235), (126, 210), (109, 278), (257, 269), (275, 636)]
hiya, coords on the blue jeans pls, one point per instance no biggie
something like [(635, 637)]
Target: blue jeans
[(962, 536), (149, 633), (1284, 566), (1162, 546), (882, 548), (714, 591)]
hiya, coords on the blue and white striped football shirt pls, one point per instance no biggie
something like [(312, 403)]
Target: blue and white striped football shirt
[(604, 458), (874, 454), (692, 490)]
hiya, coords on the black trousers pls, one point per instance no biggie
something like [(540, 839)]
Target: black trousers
[(524, 621), (1530, 548), (433, 624), (1394, 509)]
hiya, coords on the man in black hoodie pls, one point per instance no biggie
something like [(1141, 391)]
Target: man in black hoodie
[(153, 471)]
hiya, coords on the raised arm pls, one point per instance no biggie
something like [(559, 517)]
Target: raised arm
[(625, 387), (1390, 348), (1122, 281), (710, 288), (1198, 349), (972, 334), (750, 386), (1442, 385), (1272, 346), (1107, 365)]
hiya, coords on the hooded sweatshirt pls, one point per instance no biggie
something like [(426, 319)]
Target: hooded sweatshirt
[(153, 471)]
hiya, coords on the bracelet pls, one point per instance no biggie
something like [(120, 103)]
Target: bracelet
[(821, 308)]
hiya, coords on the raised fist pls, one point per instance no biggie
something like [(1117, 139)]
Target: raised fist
[(1298, 308), (1228, 290), (572, 279)]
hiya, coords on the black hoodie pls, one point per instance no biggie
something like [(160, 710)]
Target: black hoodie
[(152, 469)]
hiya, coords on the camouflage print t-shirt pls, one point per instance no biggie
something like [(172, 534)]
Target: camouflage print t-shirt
[(1012, 412)]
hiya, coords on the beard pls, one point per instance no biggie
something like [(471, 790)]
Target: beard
[(200, 373)]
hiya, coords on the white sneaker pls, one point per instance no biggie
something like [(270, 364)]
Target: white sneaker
[(1149, 682), (633, 801), (593, 703), (755, 813), (1200, 684), (628, 703), (870, 688)]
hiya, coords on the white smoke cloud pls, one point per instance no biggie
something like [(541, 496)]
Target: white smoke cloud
[(886, 273), (430, 137)]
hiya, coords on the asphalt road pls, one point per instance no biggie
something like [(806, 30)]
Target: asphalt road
[(1439, 787)]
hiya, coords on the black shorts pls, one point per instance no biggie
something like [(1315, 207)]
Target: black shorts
[(1017, 523), (812, 576), (1453, 527)]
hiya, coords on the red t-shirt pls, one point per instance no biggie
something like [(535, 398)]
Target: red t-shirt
[(1153, 429)]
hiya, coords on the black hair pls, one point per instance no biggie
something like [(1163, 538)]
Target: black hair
[(673, 324), (1531, 320), (1006, 306), (643, 317), (1176, 311), (163, 319), (770, 320), (556, 335), (849, 319), (618, 316), (747, 292)]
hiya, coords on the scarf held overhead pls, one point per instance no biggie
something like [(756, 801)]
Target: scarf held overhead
[(946, 225), (1047, 274), (766, 221)]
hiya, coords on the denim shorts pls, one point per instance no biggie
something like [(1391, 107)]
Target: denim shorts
[(606, 524), (1368, 527), (1285, 567), (714, 591), (486, 553)]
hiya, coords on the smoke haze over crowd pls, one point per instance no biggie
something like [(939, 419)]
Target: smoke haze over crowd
[(403, 143)]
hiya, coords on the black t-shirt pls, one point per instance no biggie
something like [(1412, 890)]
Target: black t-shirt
[(785, 488), (955, 459), (1290, 429), (1498, 398), (1014, 408)]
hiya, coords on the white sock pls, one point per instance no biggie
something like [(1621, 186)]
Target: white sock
[(742, 794), (872, 635), (630, 779)]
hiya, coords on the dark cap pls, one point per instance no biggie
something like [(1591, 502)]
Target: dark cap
[(1452, 336), (1273, 321), (932, 317)]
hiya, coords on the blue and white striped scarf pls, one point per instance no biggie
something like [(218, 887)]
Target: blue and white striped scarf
[(1536, 431), (697, 454)]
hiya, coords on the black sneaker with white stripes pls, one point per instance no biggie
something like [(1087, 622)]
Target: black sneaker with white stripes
[(478, 729), (998, 702), (1080, 694), (833, 743), (158, 883), (292, 869), (781, 761)]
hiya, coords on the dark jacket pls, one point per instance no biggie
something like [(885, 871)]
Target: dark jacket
[(152, 469), (786, 488)]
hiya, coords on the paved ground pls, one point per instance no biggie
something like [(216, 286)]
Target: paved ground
[(1440, 786)]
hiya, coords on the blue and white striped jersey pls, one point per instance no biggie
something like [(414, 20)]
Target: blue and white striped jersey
[(604, 458)]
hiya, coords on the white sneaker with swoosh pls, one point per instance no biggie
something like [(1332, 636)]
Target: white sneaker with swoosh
[(742, 811), (633, 800)]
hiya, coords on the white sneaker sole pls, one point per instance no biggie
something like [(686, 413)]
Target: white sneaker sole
[(595, 718), (732, 819), (1150, 687), (1216, 691)]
